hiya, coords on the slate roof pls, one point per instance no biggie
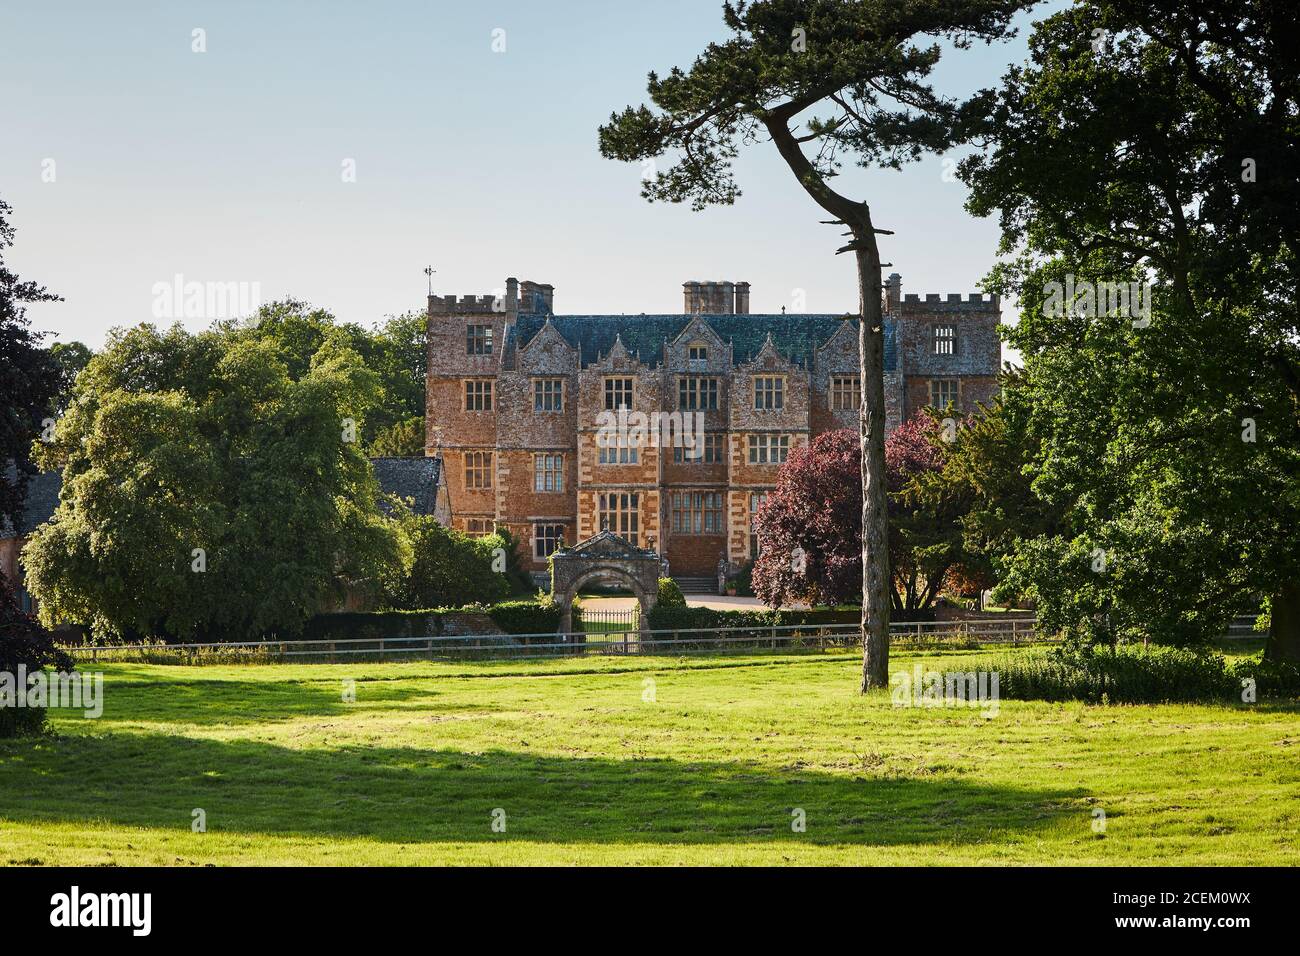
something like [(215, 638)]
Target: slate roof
[(413, 478), (797, 337), (42, 499)]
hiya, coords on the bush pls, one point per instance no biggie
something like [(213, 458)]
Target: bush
[(373, 625), (519, 581), (743, 580), (683, 618), (1272, 678), (24, 642), (1125, 675), (540, 616), (449, 569), (670, 595)]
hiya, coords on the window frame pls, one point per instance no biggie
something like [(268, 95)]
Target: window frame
[(712, 453), (479, 468), (478, 391), (541, 538), (619, 450), (476, 343), (770, 445), (769, 393), (937, 385), (697, 512), (627, 505), (612, 394), (846, 389), (944, 338), (548, 468), (698, 393), (555, 394), (756, 499), (488, 526)]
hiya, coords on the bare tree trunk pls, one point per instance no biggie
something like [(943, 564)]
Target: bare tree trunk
[(876, 586), (875, 516), (1284, 625)]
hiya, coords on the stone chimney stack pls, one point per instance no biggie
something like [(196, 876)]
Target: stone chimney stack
[(538, 297), (512, 296), (893, 292), (716, 298)]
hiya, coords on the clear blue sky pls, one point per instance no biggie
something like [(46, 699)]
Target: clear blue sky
[(226, 165)]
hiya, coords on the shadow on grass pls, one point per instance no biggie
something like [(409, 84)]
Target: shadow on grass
[(408, 795), (219, 701)]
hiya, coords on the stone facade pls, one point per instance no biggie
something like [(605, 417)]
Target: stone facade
[(516, 396)]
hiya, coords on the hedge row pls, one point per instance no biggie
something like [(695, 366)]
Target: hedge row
[(695, 618), (533, 617), (513, 617)]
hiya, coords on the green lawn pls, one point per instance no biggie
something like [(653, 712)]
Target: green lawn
[(587, 771)]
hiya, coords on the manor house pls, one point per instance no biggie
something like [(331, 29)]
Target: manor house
[(515, 395)]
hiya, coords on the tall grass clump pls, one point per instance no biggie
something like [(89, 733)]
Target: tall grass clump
[(1127, 674)]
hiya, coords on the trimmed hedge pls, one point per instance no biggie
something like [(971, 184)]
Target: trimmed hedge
[(526, 617), (373, 625), (690, 618), (670, 595), (512, 617)]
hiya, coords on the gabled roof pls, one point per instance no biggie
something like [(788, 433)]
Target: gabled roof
[(413, 478), (605, 544), (38, 508), (797, 337)]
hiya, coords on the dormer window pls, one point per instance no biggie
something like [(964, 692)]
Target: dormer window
[(697, 354)]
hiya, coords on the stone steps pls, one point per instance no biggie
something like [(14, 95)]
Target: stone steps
[(697, 585)]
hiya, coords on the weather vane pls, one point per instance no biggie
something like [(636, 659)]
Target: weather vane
[(429, 271)]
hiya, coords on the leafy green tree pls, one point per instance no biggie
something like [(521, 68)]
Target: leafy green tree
[(72, 357), (1152, 141), (29, 379), (208, 491), (865, 67), (449, 568), (985, 475), (404, 439), (394, 351)]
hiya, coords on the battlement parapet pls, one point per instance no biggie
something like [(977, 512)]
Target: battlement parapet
[(449, 304), (952, 302)]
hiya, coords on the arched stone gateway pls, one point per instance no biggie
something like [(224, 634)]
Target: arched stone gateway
[(604, 555)]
